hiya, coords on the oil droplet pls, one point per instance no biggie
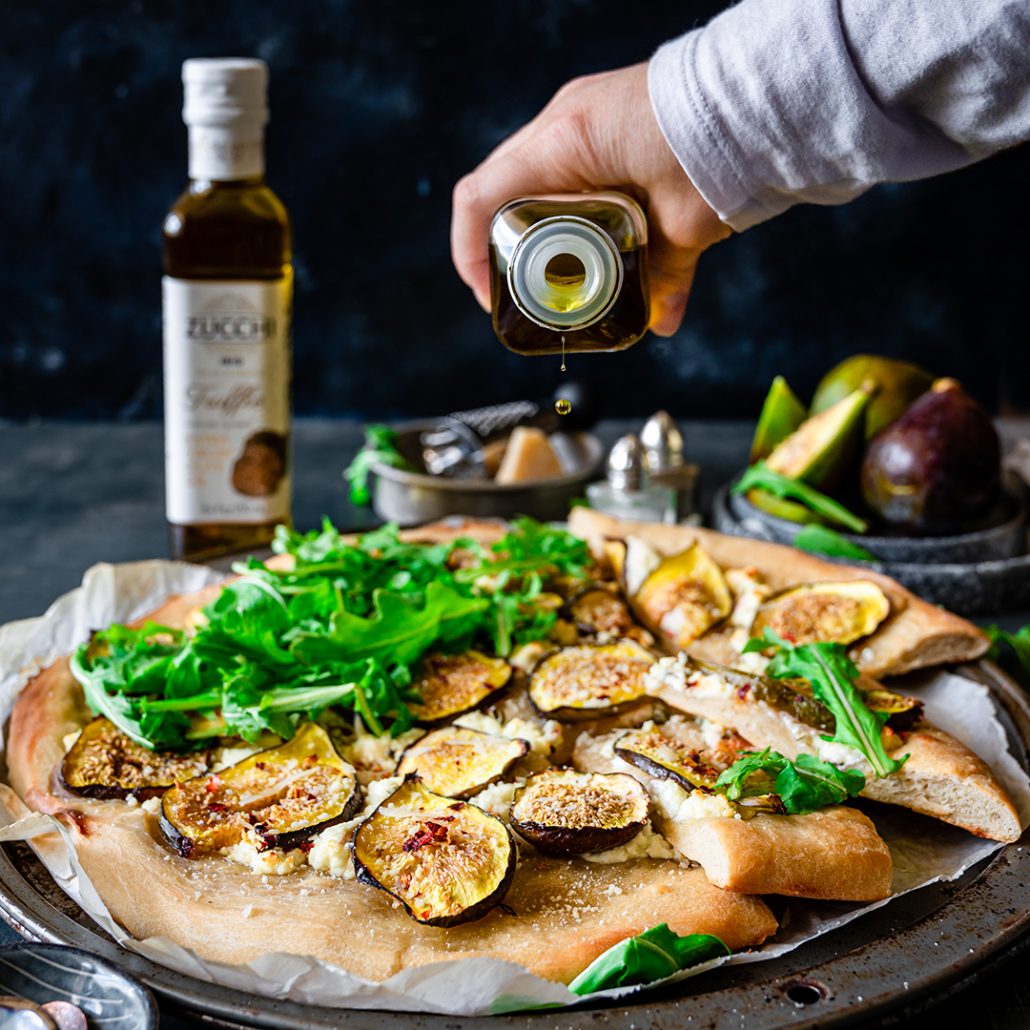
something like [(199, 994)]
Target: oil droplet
[(563, 406), (562, 357)]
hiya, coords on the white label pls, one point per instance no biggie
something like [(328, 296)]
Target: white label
[(227, 400)]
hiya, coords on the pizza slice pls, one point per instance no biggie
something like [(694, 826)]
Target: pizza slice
[(705, 596)]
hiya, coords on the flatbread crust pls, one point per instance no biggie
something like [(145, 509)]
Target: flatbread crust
[(914, 636), (563, 913)]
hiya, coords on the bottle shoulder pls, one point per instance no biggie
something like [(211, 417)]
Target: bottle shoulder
[(221, 202)]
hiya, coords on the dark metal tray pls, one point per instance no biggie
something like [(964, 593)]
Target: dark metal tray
[(903, 956)]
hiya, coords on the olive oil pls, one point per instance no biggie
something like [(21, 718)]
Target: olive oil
[(227, 293), (568, 273)]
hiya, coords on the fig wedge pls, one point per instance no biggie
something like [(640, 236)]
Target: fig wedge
[(590, 680), (682, 597), (666, 758), (458, 762), (284, 794), (836, 612), (446, 861), (451, 684), (597, 610), (105, 763), (565, 812)]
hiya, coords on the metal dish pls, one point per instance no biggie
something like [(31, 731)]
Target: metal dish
[(411, 498), (903, 956)]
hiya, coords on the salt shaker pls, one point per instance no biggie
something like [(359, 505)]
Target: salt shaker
[(663, 454), (627, 492)]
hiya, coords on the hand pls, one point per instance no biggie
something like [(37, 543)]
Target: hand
[(598, 132)]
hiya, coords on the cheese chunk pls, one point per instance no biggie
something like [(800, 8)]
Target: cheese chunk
[(529, 456)]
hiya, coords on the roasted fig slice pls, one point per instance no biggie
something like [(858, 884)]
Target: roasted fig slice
[(566, 812), (105, 763), (459, 762), (597, 610), (684, 596), (451, 684), (284, 794), (836, 612), (666, 758), (902, 710), (445, 860), (587, 681)]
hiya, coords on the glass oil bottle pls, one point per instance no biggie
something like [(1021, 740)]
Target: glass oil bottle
[(568, 273), (227, 293)]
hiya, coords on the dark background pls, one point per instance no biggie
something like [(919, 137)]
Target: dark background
[(377, 107)]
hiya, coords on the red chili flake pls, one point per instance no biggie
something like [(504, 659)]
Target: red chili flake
[(742, 692), (216, 806), (268, 840), (426, 835), (213, 783), (789, 638), (260, 765), (306, 845)]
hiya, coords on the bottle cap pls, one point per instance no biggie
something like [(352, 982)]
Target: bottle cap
[(626, 464), (225, 92)]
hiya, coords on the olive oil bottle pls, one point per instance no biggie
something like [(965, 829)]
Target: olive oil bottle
[(568, 273), (227, 294)]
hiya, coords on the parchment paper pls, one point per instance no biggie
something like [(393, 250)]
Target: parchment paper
[(923, 851)]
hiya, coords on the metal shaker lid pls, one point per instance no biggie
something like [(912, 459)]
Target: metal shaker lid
[(662, 442), (626, 470)]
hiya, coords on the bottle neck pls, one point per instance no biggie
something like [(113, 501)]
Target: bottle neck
[(226, 154)]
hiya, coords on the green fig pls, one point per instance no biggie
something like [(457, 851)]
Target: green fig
[(899, 384), (781, 414), (937, 467)]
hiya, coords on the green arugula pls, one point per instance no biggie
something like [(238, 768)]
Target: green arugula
[(344, 628), (803, 785), (1012, 650), (822, 540), (760, 476), (832, 675), (651, 955), (380, 448)]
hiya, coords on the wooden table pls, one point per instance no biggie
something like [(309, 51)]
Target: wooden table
[(75, 494)]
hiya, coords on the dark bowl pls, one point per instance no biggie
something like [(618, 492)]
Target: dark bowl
[(1003, 536)]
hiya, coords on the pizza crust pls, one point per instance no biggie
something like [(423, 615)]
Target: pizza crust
[(563, 913), (914, 636)]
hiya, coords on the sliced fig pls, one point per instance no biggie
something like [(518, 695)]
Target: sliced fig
[(597, 610), (565, 812), (284, 795), (902, 710), (683, 597), (835, 612), (450, 684), (666, 758), (589, 680), (445, 860), (105, 763), (459, 762)]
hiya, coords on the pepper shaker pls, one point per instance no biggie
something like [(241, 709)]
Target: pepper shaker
[(663, 447)]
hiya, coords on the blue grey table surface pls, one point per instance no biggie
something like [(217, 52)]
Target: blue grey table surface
[(75, 494)]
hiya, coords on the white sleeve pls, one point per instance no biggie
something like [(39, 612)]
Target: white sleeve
[(780, 102)]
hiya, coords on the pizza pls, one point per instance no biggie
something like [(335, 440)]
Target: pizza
[(479, 740)]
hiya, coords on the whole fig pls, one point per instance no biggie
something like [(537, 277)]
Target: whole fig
[(935, 468)]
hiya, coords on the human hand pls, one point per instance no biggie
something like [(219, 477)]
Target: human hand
[(598, 132)]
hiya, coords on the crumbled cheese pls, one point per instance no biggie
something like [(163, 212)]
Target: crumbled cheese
[(542, 737), (754, 661), (749, 593), (678, 804), (711, 733), (528, 655), (375, 757), (497, 798), (270, 862), (226, 756), (843, 756), (331, 849), (68, 740), (646, 844), (673, 674), (131, 800), (151, 806)]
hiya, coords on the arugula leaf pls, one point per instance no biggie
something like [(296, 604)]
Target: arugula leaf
[(832, 675), (760, 476), (1012, 650), (803, 785), (380, 448), (822, 540), (651, 955)]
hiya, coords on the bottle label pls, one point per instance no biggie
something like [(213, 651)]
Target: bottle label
[(227, 400)]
